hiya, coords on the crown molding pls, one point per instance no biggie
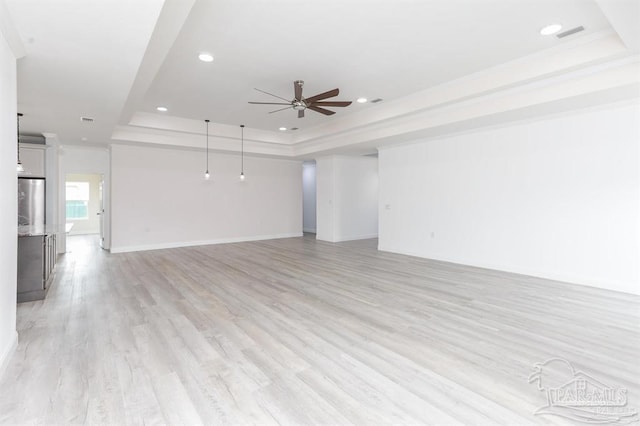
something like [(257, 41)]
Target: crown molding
[(590, 70)]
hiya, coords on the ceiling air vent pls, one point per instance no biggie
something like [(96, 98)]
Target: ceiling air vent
[(376, 100), (294, 128), (569, 32), (86, 119)]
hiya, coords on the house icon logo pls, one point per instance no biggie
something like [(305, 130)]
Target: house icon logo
[(578, 396)]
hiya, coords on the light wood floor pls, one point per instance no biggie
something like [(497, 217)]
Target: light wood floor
[(296, 331)]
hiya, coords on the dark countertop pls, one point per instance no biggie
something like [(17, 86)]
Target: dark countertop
[(40, 230)]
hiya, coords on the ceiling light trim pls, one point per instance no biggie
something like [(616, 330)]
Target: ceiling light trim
[(206, 57), (550, 29)]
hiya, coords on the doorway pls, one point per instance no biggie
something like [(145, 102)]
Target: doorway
[(84, 207)]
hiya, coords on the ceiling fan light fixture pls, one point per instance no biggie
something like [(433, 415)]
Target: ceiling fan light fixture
[(317, 103), (205, 57)]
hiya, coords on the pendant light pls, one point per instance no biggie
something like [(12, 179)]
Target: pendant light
[(242, 153), (19, 168), (206, 173)]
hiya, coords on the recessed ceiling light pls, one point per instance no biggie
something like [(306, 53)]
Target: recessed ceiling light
[(550, 29), (205, 57), (162, 109), (361, 100), (282, 129)]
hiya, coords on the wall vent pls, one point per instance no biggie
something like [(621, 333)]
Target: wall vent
[(86, 119), (376, 100), (569, 32)]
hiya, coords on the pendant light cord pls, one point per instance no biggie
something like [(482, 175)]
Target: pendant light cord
[(18, 126), (242, 149), (207, 121)]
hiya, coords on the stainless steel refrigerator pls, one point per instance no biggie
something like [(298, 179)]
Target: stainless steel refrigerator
[(36, 248), (31, 202)]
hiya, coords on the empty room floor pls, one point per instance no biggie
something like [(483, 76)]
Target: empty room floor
[(297, 331)]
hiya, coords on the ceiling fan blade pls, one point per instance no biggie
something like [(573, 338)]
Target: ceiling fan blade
[(271, 94), (325, 95), (300, 113), (297, 89), (269, 103), (333, 103), (321, 110), (277, 110)]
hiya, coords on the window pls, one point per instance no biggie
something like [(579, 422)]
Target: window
[(77, 205)]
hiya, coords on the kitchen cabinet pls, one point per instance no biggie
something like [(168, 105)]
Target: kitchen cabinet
[(33, 158), (36, 264)]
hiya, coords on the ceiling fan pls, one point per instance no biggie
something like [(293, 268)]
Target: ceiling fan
[(300, 103)]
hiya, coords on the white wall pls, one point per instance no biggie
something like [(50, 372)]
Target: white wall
[(309, 197), (160, 198), (9, 210), (556, 198), (52, 188), (83, 160), (325, 182), (347, 198)]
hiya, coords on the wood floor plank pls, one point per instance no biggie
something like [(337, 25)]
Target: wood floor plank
[(299, 331)]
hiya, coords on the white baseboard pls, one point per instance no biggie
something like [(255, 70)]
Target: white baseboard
[(623, 287), (349, 238), (6, 357), (72, 233), (127, 249), (355, 237)]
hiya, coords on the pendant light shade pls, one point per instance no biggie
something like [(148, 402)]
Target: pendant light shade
[(242, 153), (19, 167), (206, 173)]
